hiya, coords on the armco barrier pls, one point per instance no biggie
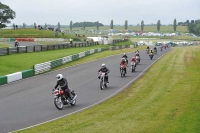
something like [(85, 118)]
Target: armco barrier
[(12, 39), (24, 39), (14, 76), (3, 80), (27, 73)]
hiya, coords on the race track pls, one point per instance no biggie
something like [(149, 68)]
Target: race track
[(30, 101)]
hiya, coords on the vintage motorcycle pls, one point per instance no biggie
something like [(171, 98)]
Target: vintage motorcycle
[(151, 55), (103, 81), (61, 99), (122, 71), (137, 60), (133, 66)]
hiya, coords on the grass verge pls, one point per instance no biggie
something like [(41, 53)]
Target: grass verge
[(4, 45), (164, 100), (18, 62)]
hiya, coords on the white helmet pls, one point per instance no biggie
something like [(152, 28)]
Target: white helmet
[(59, 76), (103, 65), (124, 53)]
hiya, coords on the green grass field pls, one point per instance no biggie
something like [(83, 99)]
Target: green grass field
[(138, 28), (4, 45), (32, 33), (164, 100), (15, 62)]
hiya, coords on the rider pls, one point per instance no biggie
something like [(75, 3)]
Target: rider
[(106, 70), (137, 51), (16, 43), (148, 47), (125, 57), (151, 51), (155, 49), (133, 60), (62, 82), (123, 63)]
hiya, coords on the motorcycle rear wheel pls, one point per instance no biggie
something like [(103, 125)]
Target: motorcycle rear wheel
[(73, 103), (58, 103)]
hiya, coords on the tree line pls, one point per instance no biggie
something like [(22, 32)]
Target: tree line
[(6, 13)]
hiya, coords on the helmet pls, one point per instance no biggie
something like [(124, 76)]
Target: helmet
[(133, 57), (124, 53), (123, 59), (59, 76), (103, 65)]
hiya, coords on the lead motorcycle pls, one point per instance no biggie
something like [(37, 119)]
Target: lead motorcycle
[(103, 81), (61, 99)]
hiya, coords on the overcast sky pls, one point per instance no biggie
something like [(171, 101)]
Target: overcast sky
[(64, 11)]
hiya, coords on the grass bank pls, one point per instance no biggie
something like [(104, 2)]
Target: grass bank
[(164, 100), (34, 33), (4, 45)]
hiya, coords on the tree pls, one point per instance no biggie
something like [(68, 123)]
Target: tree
[(111, 24), (84, 25), (45, 26), (187, 22), (24, 25), (59, 25), (6, 13), (71, 25), (192, 21), (197, 29), (13, 26), (35, 26), (126, 25), (158, 25), (175, 25), (97, 25), (142, 25)]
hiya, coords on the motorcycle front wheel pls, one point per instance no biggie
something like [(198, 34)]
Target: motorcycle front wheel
[(101, 85), (58, 103)]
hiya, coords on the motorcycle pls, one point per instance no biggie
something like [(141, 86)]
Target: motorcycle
[(122, 71), (155, 52), (137, 60), (133, 66), (147, 51), (103, 81), (126, 61), (151, 55), (160, 48), (61, 99)]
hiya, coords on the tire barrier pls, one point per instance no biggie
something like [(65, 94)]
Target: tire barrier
[(46, 66), (38, 48)]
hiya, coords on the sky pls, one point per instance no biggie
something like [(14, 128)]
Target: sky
[(64, 11)]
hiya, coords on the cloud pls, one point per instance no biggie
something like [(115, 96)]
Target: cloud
[(63, 11)]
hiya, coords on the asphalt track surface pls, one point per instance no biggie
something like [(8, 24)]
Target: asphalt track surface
[(29, 102)]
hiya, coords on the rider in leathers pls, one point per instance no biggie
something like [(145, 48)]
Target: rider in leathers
[(62, 82), (105, 70)]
